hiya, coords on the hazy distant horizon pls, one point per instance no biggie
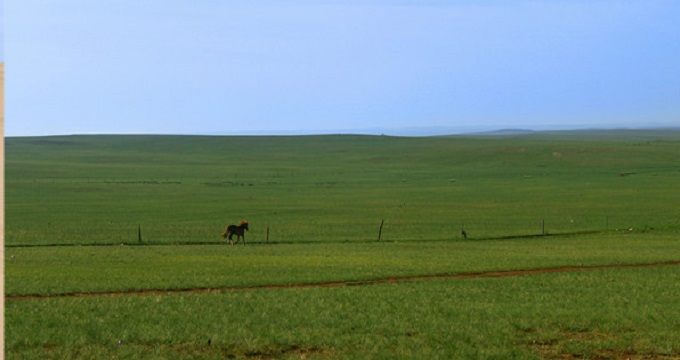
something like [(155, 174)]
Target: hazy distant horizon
[(402, 132)]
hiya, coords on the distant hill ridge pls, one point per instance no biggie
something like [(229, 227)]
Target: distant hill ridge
[(664, 132), (503, 132)]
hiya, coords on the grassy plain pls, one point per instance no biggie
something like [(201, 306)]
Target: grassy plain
[(603, 314), (99, 189), (74, 204), (75, 269)]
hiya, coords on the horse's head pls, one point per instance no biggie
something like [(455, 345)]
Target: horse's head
[(244, 224)]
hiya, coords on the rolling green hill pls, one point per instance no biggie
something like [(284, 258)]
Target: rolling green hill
[(602, 285), (99, 189)]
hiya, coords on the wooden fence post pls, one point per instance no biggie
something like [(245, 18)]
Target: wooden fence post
[(543, 226), (382, 221), (139, 232), (267, 233)]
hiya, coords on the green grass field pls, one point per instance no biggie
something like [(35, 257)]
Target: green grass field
[(64, 270), (100, 189), (74, 206)]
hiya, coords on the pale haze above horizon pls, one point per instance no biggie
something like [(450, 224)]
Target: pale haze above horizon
[(312, 66)]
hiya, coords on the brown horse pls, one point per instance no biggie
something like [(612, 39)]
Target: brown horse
[(238, 230)]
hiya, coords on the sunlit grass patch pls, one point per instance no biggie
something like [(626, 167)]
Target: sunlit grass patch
[(588, 314)]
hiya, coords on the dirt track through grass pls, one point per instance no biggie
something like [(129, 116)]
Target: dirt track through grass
[(475, 275)]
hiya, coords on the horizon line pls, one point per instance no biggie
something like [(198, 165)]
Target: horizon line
[(432, 131)]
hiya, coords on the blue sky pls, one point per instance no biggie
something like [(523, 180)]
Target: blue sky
[(301, 66)]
